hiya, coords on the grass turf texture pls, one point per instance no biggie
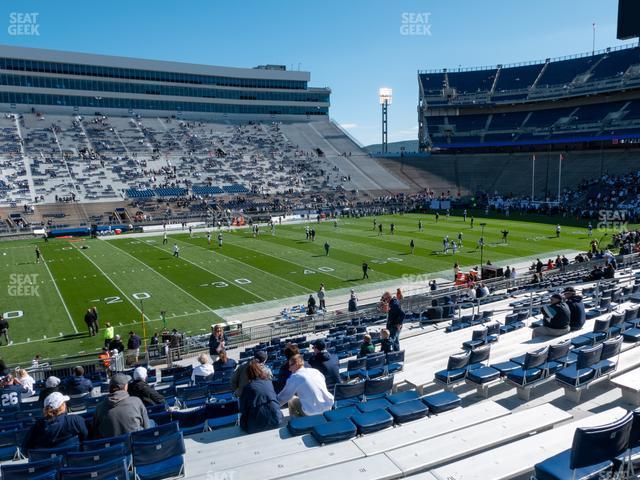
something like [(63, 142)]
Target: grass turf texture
[(128, 276)]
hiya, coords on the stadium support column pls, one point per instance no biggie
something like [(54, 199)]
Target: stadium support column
[(385, 96)]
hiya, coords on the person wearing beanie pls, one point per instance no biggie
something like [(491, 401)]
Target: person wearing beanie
[(57, 428), (556, 318), (240, 377), (51, 385), (119, 413), (576, 307), (141, 389), (325, 363)]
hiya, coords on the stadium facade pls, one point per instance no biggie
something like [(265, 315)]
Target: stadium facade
[(49, 80), (583, 101)]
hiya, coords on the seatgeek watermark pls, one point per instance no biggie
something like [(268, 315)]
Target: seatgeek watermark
[(222, 475), (415, 24), (24, 24), (23, 285), (613, 219)]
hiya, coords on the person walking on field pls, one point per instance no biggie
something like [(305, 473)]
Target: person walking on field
[(365, 270), (326, 249), (176, 250), (412, 245), (164, 238), (38, 255)]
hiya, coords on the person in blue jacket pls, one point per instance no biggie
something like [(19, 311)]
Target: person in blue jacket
[(259, 407), (576, 308), (78, 384), (57, 428)]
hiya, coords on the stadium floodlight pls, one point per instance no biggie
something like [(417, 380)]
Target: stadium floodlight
[(385, 95)]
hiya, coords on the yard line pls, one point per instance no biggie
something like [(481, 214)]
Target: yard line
[(209, 271), (113, 283), (289, 261), (60, 295), (280, 279), (165, 278)]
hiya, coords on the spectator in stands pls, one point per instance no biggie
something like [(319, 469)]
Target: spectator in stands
[(321, 297), (595, 274), (305, 391), (311, 305), (395, 320), (385, 341), (78, 385), (119, 413), (353, 302), (435, 312), (609, 271), (399, 295), (204, 369), (259, 407), (326, 363), (240, 377), (216, 340), (27, 381), (482, 290), (556, 318), (51, 385), (367, 346), (139, 387), (284, 373), (57, 428), (108, 334), (539, 266), (116, 344), (576, 308), (223, 362), (133, 348)]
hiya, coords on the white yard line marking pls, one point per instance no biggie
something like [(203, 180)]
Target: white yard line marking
[(230, 282), (113, 283), (280, 279), (60, 295), (159, 274)]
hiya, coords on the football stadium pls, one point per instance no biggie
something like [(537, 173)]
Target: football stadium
[(391, 263)]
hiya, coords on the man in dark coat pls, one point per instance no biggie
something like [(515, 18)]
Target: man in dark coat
[(139, 387), (326, 363), (395, 320), (576, 308), (78, 384), (556, 318)]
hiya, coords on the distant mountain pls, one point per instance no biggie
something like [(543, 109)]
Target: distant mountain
[(409, 146)]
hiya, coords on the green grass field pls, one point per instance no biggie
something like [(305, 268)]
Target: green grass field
[(46, 302)]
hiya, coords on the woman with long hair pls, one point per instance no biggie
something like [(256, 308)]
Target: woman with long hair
[(259, 407)]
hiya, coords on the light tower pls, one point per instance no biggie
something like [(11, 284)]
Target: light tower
[(385, 95)]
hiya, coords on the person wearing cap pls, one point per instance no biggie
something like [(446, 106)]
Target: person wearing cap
[(119, 413), (57, 428), (556, 318), (259, 407), (305, 391), (51, 385), (240, 377), (116, 344), (325, 363), (78, 385), (576, 308), (139, 387)]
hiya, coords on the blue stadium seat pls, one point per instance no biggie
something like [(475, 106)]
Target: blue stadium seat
[(591, 454), (442, 402), (10, 442), (302, 425), (608, 357), (88, 458), (374, 366), (355, 369), (190, 421), (340, 413), (149, 434), (478, 338), (403, 396), (581, 372), (158, 458), (456, 370), (345, 394), (116, 469), (222, 414), (558, 357), (41, 470), (534, 369), (375, 404), (372, 421), (334, 431), (599, 334), (35, 454), (102, 443), (378, 387), (395, 361), (408, 411)]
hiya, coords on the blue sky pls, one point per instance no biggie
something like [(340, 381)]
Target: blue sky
[(352, 46)]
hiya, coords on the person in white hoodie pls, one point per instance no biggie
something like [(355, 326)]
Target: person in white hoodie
[(204, 369), (305, 390)]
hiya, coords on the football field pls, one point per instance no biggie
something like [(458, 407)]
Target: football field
[(132, 276)]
